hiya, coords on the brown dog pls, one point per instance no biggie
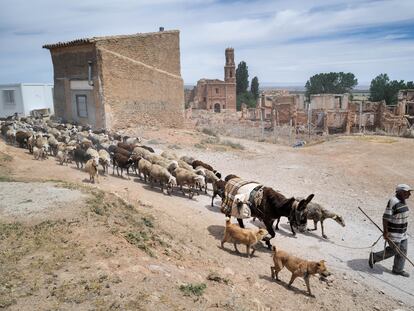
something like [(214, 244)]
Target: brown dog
[(236, 235), (298, 267)]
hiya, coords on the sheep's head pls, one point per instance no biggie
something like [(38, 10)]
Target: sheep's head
[(172, 181), (200, 181)]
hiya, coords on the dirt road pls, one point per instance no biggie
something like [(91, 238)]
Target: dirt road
[(343, 173)]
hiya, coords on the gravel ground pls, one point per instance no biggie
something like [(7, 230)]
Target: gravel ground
[(343, 173)]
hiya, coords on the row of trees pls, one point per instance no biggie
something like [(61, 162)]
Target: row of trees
[(381, 88), (242, 86)]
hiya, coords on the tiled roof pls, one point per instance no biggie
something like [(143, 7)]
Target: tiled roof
[(95, 39)]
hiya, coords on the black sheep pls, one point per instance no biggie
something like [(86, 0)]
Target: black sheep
[(80, 157)]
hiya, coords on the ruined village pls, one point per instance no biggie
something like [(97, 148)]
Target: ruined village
[(124, 188)]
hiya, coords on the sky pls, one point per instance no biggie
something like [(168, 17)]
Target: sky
[(283, 42)]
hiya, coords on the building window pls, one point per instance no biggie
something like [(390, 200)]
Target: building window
[(8, 97), (338, 101), (231, 73), (205, 99), (81, 106), (217, 90)]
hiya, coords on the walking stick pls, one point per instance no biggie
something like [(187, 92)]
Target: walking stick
[(388, 240)]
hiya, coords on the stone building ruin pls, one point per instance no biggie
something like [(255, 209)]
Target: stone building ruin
[(119, 81), (214, 94), (333, 113)]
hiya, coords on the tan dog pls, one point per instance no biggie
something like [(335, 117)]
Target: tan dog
[(236, 235), (298, 267)]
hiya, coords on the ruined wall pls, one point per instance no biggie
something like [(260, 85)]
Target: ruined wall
[(135, 93), (158, 49), (231, 96), (329, 101)]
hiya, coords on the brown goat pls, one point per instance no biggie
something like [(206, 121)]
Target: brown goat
[(122, 151), (218, 189), (198, 163), (127, 146)]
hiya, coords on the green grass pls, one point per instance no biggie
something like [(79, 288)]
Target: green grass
[(96, 203), (140, 239), (148, 222), (193, 289)]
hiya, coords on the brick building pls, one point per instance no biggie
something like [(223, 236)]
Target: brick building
[(119, 81), (216, 95)]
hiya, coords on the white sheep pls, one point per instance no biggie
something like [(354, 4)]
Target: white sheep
[(62, 157), (40, 153), (53, 143), (93, 153), (132, 140), (210, 177), (191, 179), (141, 152), (11, 136), (104, 159), (144, 167), (169, 155), (187, 159), (163, 176)]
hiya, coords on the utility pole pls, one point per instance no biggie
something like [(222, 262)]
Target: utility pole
[(309, 119)]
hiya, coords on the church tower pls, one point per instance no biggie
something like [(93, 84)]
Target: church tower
[(230, 67)]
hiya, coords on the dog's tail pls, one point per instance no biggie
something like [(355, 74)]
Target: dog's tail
[(228, 221)]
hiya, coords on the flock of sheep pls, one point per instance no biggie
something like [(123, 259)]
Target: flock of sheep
[(89, 149)]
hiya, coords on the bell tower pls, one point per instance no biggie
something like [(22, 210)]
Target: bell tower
[(230, 67)]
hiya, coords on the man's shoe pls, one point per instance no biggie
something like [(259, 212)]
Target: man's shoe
[(371, 260), (402, 273)]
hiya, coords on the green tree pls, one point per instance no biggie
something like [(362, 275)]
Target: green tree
[(245, 98), (382, 88), (254, 89), (378, 87), (331, 83), (242, 78)]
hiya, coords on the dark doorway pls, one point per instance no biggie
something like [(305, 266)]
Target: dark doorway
[(217, 107)]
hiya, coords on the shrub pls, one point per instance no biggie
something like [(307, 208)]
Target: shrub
[(193, 289), (209, 132)]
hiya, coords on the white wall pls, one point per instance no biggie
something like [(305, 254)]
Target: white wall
[(6, 109), (37, 96)]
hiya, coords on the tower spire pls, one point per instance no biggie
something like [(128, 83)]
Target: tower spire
[(230, 67)]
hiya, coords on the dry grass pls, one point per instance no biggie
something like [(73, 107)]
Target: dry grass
[(209, 131), (372, 139), (33, 256), (216, 141)]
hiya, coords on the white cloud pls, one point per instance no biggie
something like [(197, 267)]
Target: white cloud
[(280, 40)]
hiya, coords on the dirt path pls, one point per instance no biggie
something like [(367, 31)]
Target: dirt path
[(343, 174)]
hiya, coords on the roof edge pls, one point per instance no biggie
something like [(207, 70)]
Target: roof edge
[(92, 40)]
